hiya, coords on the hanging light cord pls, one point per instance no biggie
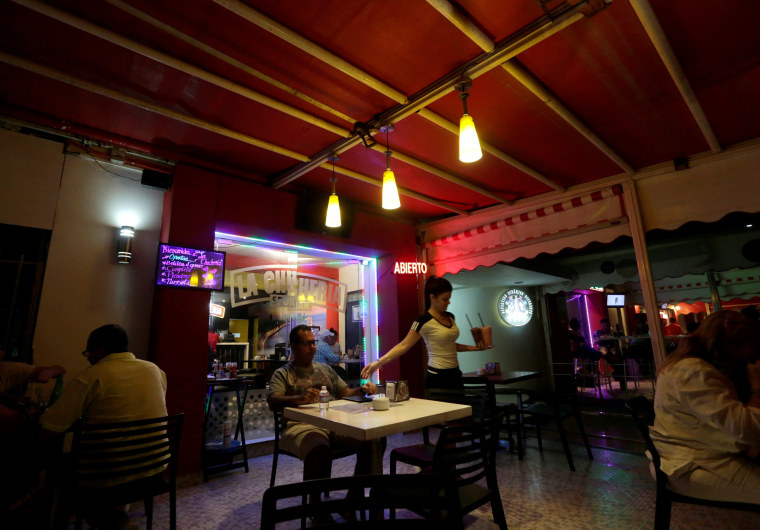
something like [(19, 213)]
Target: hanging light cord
[(333, 179), (387, 150), (463, 96)]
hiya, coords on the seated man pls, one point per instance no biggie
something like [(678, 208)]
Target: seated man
[(117, 387), (325, 354), (298, 383)]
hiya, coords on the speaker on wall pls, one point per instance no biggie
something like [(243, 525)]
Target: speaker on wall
[(156, 179)]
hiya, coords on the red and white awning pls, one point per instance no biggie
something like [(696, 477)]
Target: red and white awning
[(574, 222)]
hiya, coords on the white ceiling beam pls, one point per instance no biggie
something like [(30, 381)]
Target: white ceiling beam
[(648, 19), (146, 105), (172, 62), (473, 32), (169, 30)]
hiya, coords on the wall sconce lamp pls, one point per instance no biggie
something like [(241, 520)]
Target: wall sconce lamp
[(362, 129), (332, 219), (124, 252), (469, 145), (390, 191)]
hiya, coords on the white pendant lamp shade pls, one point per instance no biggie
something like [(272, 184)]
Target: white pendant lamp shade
[(333, 212), (390, 191), (469, 145)]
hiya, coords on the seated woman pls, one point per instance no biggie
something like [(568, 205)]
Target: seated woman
[(703, 430)]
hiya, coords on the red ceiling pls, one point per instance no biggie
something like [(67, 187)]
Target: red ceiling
[(604, 68)]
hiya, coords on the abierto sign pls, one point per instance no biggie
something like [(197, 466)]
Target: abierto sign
[(410, 267)]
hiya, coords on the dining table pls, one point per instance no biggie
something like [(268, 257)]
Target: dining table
[(506, 377), (361, 421)]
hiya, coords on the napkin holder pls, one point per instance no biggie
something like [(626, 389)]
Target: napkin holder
[(397, 390)]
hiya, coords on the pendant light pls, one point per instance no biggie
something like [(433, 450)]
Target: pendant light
[(390, 191), (332, 219), (469, 145)]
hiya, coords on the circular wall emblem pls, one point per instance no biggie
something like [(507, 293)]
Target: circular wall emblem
[(515, 307)]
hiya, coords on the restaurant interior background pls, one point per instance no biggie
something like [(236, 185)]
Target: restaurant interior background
[(574, 102)]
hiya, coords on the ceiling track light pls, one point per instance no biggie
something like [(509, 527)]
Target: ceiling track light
[(469, 144), (332, 219), (391, 200), (363, 131)]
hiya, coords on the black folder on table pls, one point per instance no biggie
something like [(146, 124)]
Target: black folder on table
[(358, 399)]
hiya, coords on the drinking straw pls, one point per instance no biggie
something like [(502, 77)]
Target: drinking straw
[(481, 319), (468, 320)]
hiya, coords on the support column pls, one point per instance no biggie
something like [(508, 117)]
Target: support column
[(179, 343), (645, 270)]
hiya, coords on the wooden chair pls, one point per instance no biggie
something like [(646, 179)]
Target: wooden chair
[(537, 409), (642, 411), (468, 452), (279, 426), (371, 496), (143, 454)]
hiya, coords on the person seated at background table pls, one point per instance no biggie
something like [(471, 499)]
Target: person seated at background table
[(335, 346), (18, 444), (704, 428), (672, 329), (14, 377), (116, 387), (299, 383), (325, 354)]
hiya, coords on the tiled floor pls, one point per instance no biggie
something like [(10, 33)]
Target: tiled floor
[(540, 492)]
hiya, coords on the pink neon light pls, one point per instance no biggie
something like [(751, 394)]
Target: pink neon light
[(588, 321)]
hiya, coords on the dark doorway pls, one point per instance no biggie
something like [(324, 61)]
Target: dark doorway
[(23, 253)]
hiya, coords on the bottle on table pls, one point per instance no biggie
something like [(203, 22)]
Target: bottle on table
[(227, 434), (324, 399)]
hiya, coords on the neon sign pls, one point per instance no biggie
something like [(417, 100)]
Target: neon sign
[(410, 267), (284, 286)]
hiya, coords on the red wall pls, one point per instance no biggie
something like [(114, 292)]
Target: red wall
[(201, 202)]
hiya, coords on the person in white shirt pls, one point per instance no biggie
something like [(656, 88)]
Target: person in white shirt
[(440, 332), (707, 411)]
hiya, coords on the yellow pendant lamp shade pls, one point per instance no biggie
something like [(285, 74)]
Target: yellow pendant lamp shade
[(469, 144), (333, 212), (332, 219), (390, 191)]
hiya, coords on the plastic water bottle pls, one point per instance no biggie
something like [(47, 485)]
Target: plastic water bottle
[(324, 399)]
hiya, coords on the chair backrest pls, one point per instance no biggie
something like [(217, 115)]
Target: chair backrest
[(480, 387), (468, 450), (371, 496), (642, 411), (112, 453), (279, 426), (476, 399)]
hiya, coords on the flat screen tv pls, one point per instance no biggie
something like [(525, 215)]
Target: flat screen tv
[(190, 267), (615, 300)]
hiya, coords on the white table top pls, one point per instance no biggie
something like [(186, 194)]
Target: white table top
[(372, 424)]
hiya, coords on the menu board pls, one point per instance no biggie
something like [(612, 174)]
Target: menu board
[(190, 267)]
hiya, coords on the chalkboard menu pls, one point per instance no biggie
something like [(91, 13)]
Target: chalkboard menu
[(190, 267)]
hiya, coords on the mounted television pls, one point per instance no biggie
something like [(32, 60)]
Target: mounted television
[(615, 300), (190, 267)]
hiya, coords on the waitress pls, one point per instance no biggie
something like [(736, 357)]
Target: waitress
[(440, 331)]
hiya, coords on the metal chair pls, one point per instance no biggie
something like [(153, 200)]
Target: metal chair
[(140, 455), (279, 426), (435, 493), (642, 411), (556, 406)]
